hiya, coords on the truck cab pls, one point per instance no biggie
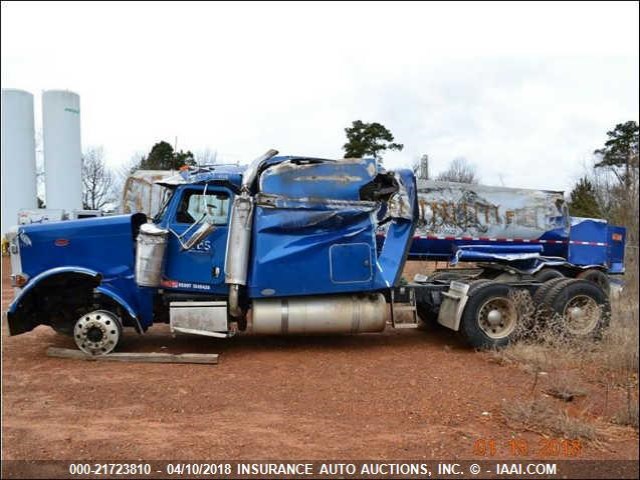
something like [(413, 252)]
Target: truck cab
[(288, 238)]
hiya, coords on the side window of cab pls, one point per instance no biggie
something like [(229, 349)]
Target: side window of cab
[(195, 206)]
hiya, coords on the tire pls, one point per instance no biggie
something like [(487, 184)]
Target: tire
[(476, 284), (541, 292), (489, 303), (430, 318), (583, 307), (596, 276), (547, 274), (98, 332), (427, 316)]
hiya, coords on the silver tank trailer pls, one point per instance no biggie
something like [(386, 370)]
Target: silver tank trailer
[(464, 210)]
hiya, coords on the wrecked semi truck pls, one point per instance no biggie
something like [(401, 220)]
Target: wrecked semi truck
[(288, 245)]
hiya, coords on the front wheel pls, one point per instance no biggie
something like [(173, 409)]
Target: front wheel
[(490, 317), (97, 332)]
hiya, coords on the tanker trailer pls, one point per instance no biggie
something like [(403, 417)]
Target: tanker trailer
[(511, 233)]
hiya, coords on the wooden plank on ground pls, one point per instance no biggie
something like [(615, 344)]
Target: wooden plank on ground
[(204, 358)]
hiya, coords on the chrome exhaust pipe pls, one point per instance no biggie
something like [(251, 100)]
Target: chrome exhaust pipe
[(239, 238)]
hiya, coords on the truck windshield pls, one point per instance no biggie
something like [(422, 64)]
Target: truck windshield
[(167, 194)]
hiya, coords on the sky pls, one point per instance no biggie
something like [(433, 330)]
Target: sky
[(524, 91)]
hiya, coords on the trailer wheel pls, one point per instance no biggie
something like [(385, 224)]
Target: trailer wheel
[(547, 274), (583, 306), (490, 317), (97, 332), (596, 276)]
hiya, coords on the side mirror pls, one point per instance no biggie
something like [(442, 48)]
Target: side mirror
[(200, 234)]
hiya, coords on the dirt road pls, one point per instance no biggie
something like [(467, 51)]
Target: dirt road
[(398, 395)]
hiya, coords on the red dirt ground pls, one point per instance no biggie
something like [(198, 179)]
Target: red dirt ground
[(398, 395)]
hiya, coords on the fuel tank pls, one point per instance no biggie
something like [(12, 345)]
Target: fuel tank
[(319, 315)]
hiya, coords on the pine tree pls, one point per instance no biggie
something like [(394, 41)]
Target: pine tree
[(583, 202), (163, 157), (368, 139)]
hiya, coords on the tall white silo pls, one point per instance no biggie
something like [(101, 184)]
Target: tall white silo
[(62, 149), (18, 156)]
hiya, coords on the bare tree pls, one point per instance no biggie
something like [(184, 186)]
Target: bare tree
[(460, 171), (97, 180)]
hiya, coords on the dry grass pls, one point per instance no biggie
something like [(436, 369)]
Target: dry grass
[(544, 417), (561, 365), (565, 387), (628, 415)]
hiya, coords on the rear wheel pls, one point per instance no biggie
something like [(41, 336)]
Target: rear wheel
[(596, 276), (542, 291), (97, 332), (490, 317), (547, 274), (583, 306)]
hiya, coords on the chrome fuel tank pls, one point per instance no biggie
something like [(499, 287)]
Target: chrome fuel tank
[(319, 315)]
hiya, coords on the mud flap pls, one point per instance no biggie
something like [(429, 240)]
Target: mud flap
[(452, 306)]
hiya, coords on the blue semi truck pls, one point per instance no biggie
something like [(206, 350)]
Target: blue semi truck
[(297, 245)]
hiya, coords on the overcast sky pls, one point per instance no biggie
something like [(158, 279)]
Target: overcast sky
[(524, 91)]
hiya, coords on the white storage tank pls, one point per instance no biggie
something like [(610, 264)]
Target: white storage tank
[(62, 149), (18, 156)]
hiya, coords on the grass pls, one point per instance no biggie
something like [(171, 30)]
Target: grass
[(543, 416), (567, 369)]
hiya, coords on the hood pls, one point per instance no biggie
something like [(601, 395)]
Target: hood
[(104, 244)]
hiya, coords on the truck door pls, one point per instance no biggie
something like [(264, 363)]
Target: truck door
[(202, 267)]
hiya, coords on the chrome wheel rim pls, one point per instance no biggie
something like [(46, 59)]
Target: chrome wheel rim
[(582, 314), (97, 333), (497, 317)]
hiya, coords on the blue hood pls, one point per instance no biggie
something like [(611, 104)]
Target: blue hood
[(104, 244)]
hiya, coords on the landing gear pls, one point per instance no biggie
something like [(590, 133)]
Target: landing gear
[(97, 332)]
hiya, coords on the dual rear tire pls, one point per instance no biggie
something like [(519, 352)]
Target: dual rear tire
[(574, 307), (492, 316)]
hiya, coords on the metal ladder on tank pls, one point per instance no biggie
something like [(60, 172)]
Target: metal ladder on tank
[(404, 307)]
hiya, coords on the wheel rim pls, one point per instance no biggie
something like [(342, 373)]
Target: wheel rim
[(582, 314), (97, 333), (497, 317)]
